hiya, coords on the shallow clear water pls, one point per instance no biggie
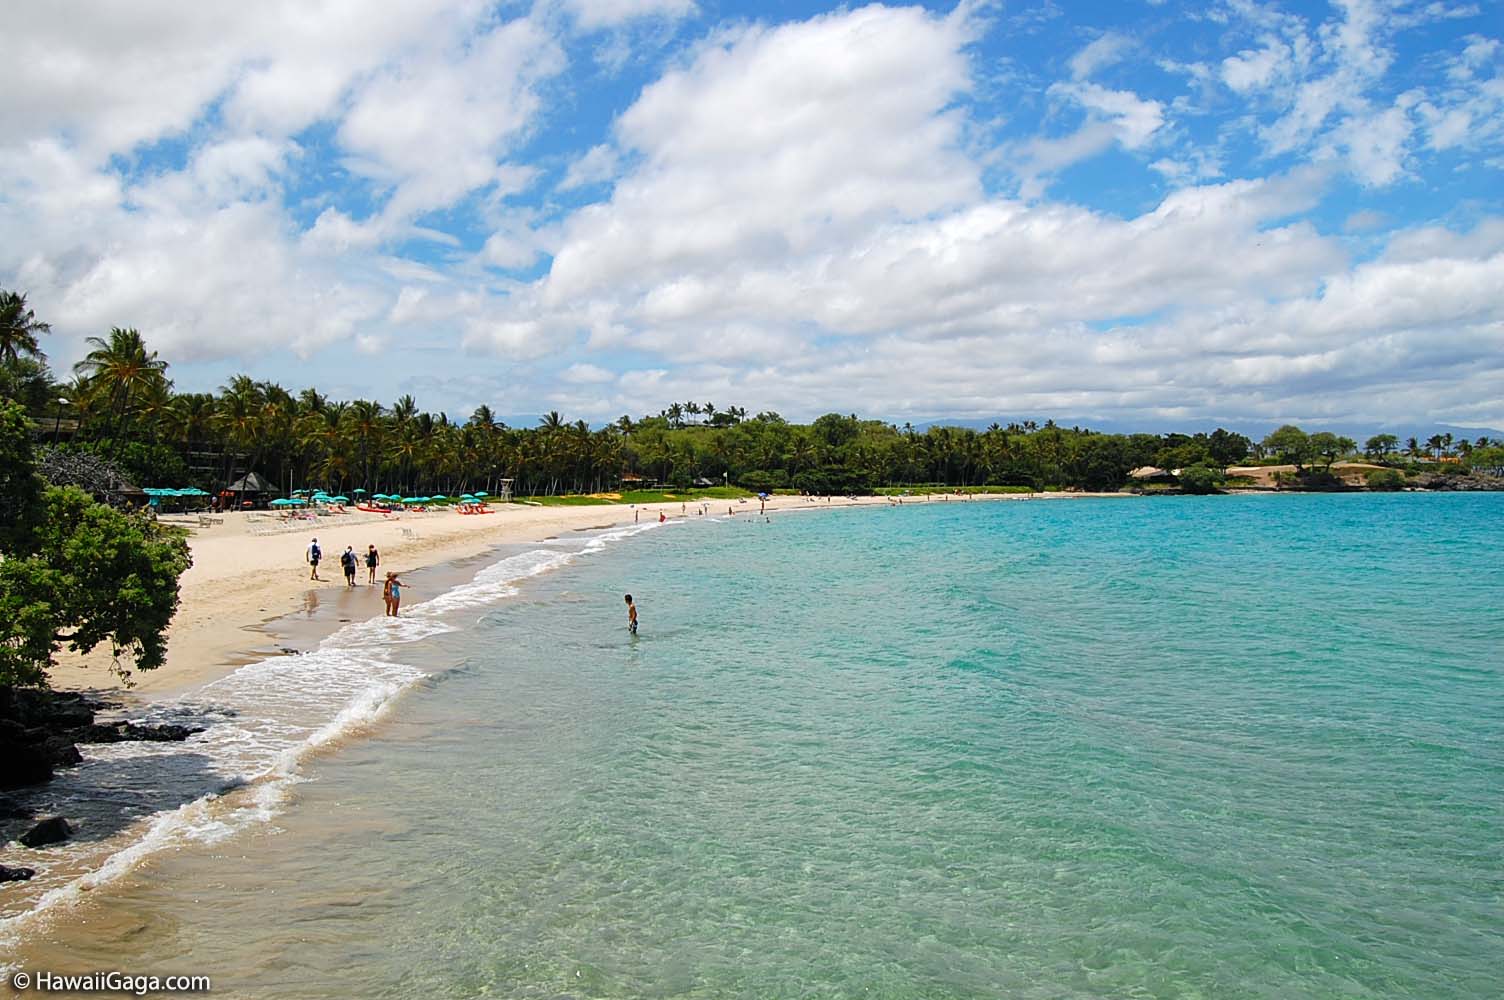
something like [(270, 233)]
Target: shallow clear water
[(1223, 747)]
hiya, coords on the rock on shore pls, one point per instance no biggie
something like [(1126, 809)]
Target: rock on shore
[(40, 730), (52, 830)]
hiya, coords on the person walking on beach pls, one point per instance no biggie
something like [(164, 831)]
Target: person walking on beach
[(393, 594), (348, 562), (631, 616), (373, 559), (313, 556)]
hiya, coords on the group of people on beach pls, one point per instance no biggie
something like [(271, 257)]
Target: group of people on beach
[(349, 561)]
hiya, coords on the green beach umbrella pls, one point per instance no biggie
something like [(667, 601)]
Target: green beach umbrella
[(438, 496)]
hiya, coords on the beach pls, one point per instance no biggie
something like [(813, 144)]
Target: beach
[(948, 749), (241, 581)]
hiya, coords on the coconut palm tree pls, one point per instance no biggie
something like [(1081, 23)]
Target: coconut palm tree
[(120, 370), (19, 329), (364, 417)]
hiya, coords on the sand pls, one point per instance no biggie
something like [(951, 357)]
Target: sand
[(1351, 473), (249, 571)]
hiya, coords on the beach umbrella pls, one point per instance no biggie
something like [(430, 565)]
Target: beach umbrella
[(340, 499), (359, 491), (438, 496)]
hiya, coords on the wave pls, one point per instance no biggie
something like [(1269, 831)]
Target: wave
[(263, 722)]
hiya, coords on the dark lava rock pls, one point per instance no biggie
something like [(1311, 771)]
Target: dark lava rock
[(1460, 482), (52, 830), (63, 752), (15, 874), (129, 732), (23, 761), (98, 733), (159, 734)]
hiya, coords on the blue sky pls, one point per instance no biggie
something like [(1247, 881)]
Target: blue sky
[(1135, 212)]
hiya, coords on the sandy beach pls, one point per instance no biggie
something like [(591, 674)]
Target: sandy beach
[(249, 571)]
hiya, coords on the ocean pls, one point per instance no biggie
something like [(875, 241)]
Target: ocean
[(1219, 747)]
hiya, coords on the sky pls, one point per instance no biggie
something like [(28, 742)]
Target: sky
[(1137, 212)]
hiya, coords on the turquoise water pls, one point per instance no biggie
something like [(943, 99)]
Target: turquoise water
[(1225, 747)]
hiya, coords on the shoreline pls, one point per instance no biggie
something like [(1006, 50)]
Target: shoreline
[(244, 604), (242, 584)]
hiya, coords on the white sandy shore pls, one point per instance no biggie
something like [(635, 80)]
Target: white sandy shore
[(241, 580)]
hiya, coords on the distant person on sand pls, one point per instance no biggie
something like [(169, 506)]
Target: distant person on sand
[(392, 592), (662, 517), (348, 562), (373, 559), (313, 556), (631, 616)]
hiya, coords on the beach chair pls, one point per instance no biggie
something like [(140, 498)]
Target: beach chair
[(410, 534)]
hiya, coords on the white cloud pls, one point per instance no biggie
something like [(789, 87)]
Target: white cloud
[(586, 374), (1376, 145), (437, 127), (1101, 53), (1256, 68), (1112, 117), (796, 214), (771, 139), (592, 14), (599, 164)]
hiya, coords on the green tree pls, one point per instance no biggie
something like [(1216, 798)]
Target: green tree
[(19, 329), (77, 573), (1329, 447), (120, 371), (1381, 446), (1227, 447), (1291, 444)]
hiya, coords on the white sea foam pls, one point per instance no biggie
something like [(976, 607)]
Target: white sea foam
[(264, 721)]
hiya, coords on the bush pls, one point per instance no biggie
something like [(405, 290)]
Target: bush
[(1200, 479), (1386, 479)]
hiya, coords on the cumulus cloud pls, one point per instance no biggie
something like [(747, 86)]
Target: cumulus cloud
[(789, 216)]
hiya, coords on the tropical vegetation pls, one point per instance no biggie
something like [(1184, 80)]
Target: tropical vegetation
[(120, 404), (75, 572)]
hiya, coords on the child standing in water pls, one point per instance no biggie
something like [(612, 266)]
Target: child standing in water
[(631, 616)]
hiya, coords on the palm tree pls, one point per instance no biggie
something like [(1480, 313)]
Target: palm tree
[(19, 328), (121, 370), (364, 417)]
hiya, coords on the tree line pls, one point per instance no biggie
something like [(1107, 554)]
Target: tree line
[(119, 403)]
